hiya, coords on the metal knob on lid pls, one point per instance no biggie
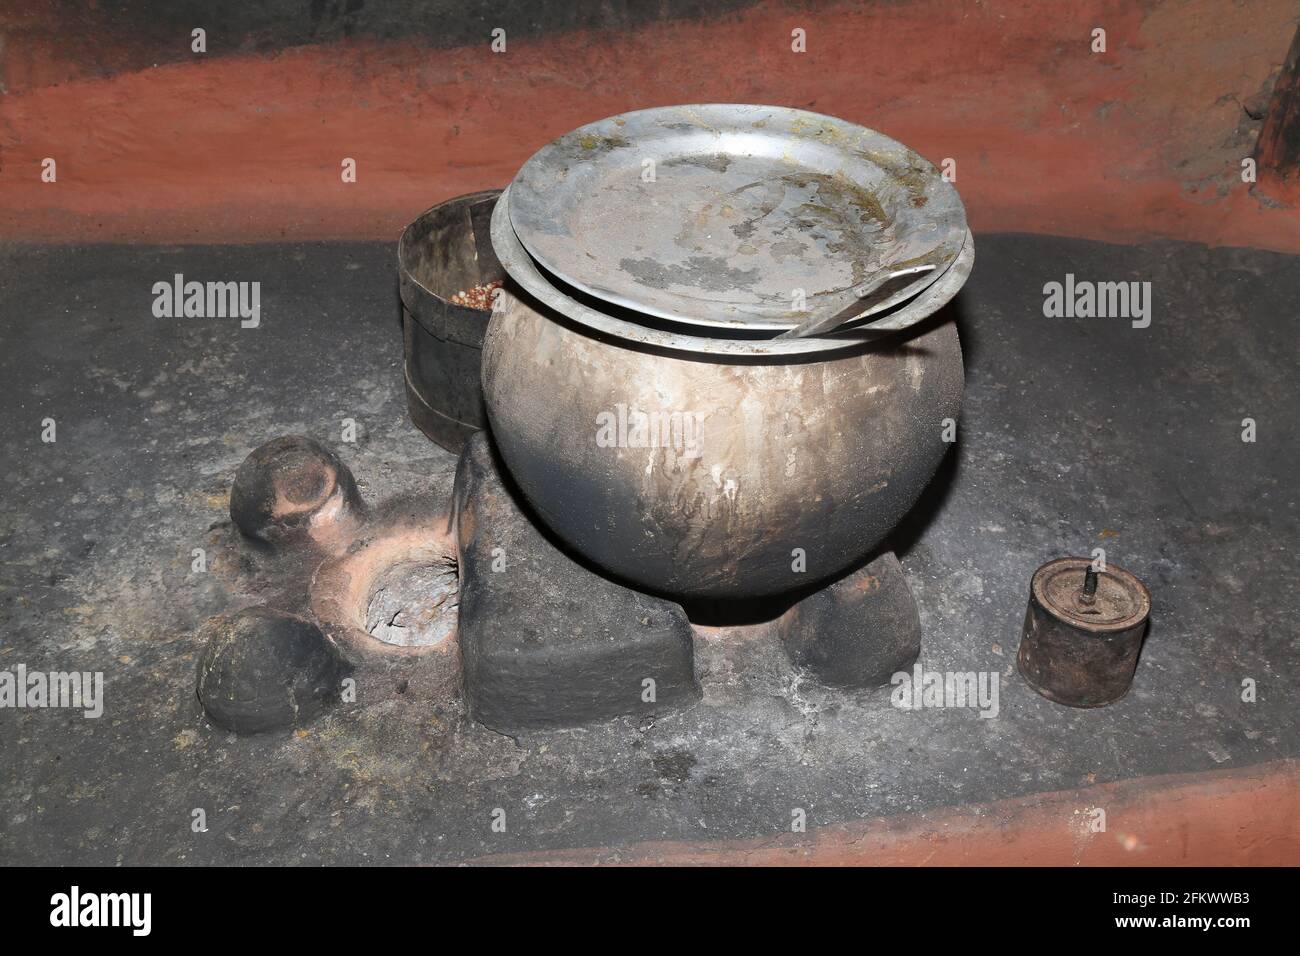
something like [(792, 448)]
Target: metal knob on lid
[(1083, 631)]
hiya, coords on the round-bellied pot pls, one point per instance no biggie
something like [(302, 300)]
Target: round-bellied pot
[(716, 476)]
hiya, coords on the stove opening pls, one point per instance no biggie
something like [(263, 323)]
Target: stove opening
[(413, 603)]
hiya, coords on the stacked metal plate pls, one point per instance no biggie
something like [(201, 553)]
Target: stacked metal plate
[(772, 229)]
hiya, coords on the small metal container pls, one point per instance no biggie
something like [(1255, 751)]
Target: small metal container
[(1083, 632), (444, 251)]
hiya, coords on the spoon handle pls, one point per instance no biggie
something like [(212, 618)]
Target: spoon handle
[(815, 325)]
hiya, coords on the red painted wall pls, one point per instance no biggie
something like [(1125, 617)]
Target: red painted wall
[(1144, 140)]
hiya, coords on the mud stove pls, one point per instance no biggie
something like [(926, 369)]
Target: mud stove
[(716, 375)]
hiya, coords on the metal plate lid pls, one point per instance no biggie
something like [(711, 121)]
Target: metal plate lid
[(733, 215), (719, 344)]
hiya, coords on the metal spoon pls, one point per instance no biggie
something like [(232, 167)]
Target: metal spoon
[(817, 324)]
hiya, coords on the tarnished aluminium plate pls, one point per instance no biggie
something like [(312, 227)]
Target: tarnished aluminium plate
[(721, 346), (723, 214)]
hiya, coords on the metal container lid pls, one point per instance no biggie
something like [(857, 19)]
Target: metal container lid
[(1101, 602), (734, 215), (547, 294)]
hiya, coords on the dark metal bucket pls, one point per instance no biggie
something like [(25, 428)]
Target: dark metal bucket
[(444, 251)]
